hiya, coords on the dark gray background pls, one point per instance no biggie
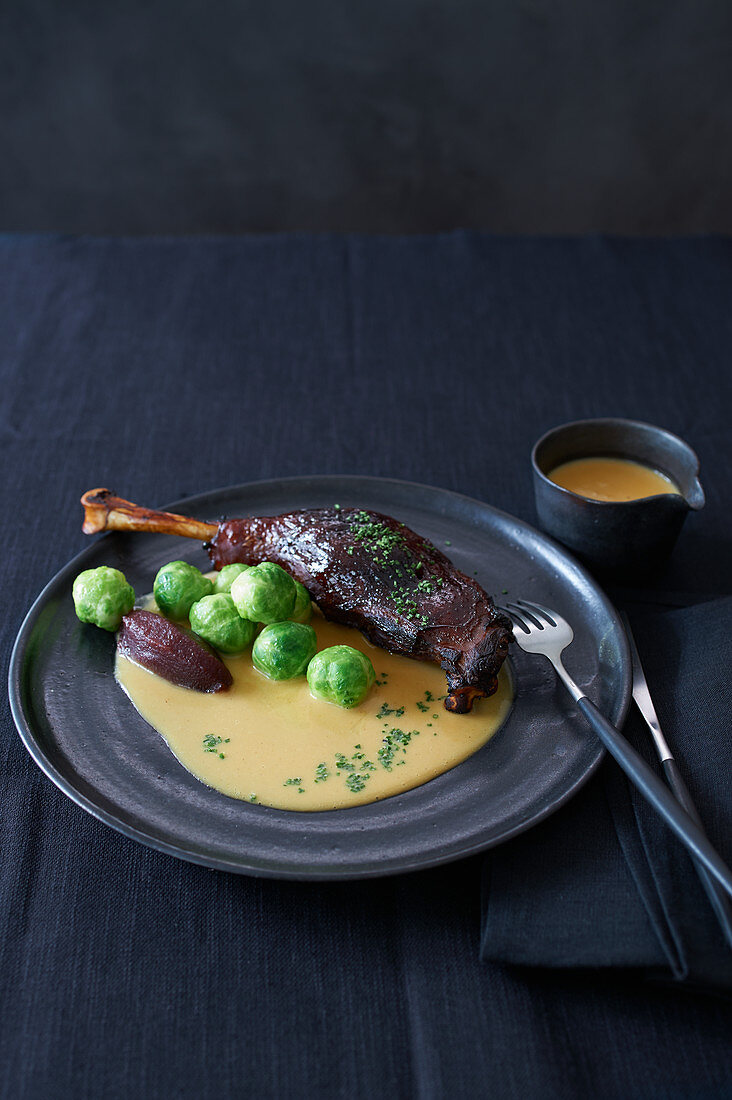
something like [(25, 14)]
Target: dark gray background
[(537, 116)]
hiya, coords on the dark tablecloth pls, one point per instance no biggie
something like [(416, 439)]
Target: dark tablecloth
[(163, 368)]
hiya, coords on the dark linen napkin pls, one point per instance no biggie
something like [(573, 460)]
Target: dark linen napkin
[(604, 883)]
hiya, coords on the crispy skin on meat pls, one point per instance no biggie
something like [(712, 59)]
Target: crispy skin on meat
[(369, 571)]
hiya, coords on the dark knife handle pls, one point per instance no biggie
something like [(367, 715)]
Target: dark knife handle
[(717, 898), (657, 793)]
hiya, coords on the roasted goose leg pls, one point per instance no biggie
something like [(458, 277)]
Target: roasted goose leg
[(363, 569)]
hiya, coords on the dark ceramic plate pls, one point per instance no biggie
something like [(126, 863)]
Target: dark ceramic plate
[(82, 731)]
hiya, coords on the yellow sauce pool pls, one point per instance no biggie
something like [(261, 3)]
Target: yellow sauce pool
[(273, 743)]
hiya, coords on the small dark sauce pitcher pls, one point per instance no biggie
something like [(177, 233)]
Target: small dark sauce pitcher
[(622, 541)]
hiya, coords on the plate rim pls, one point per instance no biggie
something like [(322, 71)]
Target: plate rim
[(418, 862)]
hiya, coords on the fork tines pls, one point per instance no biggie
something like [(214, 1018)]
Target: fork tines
[(522, 610)]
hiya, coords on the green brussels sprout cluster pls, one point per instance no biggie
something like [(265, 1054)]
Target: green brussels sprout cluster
[(215, 619), (243, 596), (340, 675), (225, 613), (303, 608), (102, 596), (227, 575), (178, 586), (284, 650), (266, 593)]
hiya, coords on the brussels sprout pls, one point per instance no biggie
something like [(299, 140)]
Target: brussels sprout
[(226, 576), (340, 675), (178, 586), (264, 594), (303, 608), (216, 620), (102, 596), (283, 650)]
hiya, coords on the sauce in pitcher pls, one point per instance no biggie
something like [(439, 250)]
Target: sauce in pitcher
[(603, 477)]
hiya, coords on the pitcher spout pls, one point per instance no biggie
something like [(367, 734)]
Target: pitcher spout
[(694, 496)]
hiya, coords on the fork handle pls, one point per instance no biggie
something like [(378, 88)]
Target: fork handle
[(657, 793), (717, 899)]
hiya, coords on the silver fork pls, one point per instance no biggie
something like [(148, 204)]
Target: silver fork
[(539, 630)]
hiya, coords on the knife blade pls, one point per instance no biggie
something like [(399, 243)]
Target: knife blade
[(642, 696)]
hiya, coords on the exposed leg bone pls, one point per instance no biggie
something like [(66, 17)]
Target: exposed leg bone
[(103, 511)]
